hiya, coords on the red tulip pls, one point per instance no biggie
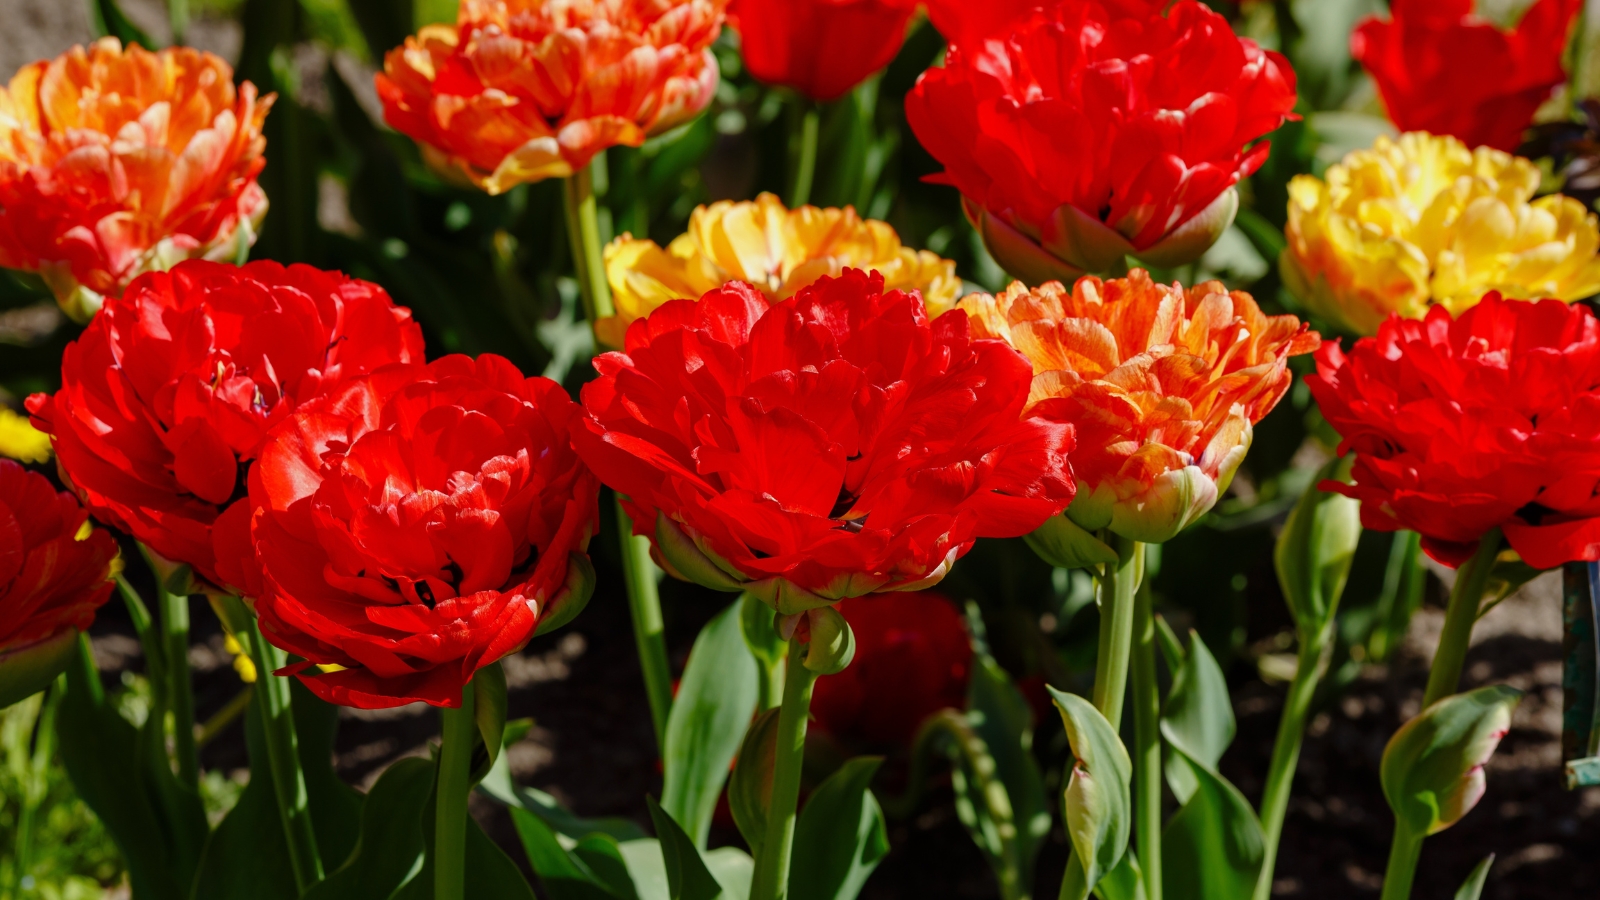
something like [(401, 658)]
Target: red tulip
[(913, 658), (973, 20), (1442, 69), (821, 48), (170, 390), (51, 582), (418, 525), (1492, 419), (1094, 130), (828, 446)]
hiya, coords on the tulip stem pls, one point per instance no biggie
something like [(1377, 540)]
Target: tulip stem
[(271, 700), (180, 690), (771, 879), (649, 630), (1118, 585), (1404, 854), (583, 233), (1465, 599), (805, 121), (1146, 743), (450, 801), (1312, 664), (639, 573)]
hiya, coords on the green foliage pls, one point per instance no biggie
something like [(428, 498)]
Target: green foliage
[(840, 836), (1099, 811)]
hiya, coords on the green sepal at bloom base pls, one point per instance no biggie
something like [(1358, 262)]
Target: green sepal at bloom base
[(1315, 550), (571, 599), (29, 669), (716, 698), (1099, 808), (1161, 509), (1064, 544), (1073, 243), (1432, 769)]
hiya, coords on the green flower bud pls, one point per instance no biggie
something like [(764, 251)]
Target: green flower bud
[(1432, 770)]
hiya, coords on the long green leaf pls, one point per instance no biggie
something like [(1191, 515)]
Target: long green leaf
[(1099, 808), (750, 792), (389, 848), (840, 836), (1472, 888), (1198, 718), (1002, 717), (1213, 847), (687, 875), (564, 876), (122, 774), (715, 701)]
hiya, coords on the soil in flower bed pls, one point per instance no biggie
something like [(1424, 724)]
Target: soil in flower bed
[(592, 746)]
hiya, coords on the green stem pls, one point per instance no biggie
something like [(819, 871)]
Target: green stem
[(36, 785), (649, 631), (1471, 580), (1403, 580), (805, 121), (771, 879), (583, 233), (178, 16), (272, 705), (1308, 672), (1146, 743), (180, 689), (450, 823), (1118, 585), (1404, 853)]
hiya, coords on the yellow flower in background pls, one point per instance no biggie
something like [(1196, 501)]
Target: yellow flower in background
[(1420, 221), (777, 249), (20, 440)]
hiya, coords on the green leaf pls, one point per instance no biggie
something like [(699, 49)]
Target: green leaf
[(1099, 811), (827, 865), (123, 775), (1002, 717), (1213, 847), (1432, 770), (389, 847), (1314, 552), (1197, 719), (489, 713), (715, 701), (1126, 881), (106, 18), (384, 23), (498, 786), (491, 875), (247, 856), (687, 875), (563, 874), (1472, 888), (750, 792), (1171, 648)]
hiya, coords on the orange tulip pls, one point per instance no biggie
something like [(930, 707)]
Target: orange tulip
[(523, 90), (1162, 384), (116, 162)]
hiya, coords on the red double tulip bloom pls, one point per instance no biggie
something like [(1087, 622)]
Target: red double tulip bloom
[(1095, 130), (1443, 69), (1461, 426), (913, 658), (418, 525), (829, 446), (168, 393), (821, 48), (51, 582)]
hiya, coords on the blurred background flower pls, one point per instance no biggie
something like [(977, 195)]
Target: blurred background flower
[(1423, 220), (821, 48), (1445, 68), (774, 248)]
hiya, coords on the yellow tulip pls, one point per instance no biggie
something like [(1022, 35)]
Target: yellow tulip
[(777, 249), (1421, 221)]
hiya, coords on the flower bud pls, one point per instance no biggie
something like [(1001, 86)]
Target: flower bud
[(832, 644), (1316, 548), (1432, 770)]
